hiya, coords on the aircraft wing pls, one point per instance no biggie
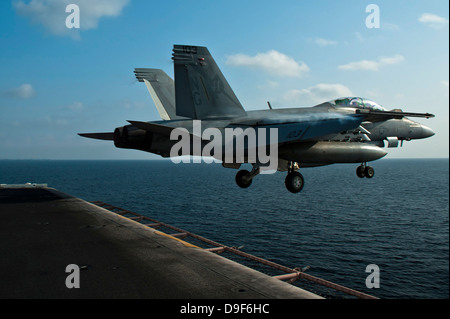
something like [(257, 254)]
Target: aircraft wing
[(308, 127), (289, 129), (377, 116)]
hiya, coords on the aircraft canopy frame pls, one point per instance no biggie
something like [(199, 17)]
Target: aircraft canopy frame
[(358, 102)]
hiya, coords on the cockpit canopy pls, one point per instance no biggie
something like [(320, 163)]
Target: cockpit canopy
[(358, 103)]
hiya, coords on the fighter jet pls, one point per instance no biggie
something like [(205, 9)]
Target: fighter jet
[(380, 132), (201, 102)]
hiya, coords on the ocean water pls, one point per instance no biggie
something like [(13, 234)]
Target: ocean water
[(337, 225)]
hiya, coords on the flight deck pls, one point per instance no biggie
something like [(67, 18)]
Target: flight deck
[(43, 231)]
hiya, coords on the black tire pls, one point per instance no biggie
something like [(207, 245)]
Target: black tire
[(240, 179), (369, 172), (360, 171), (294, 182)]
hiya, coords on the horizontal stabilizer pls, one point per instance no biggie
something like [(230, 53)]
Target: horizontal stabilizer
[(99, 136), (161, 129), (152, 127)]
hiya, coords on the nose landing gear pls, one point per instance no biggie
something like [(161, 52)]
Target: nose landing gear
[(294, 180), (365, 171)]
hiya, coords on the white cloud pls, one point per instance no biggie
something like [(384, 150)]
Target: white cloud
[(52, 13), (268, 85), (317, 94), (390, 26), (75, 106), (52, 121), (25, 91), (371, 65), (433, 21), (273, 62), (324, 42), (128, 104), (359, 37)]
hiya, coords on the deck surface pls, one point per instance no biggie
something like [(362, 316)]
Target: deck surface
[(42, 231)]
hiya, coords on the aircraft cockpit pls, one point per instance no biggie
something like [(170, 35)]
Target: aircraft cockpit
[(358, 103)]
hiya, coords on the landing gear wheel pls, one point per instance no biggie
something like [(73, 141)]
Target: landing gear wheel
[(241, 181), (369, 172), (294, 182), (365, 171), (360, 171)]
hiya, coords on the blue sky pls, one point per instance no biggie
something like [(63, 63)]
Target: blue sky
[(57, 82)]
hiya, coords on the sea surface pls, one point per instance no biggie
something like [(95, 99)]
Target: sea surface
[(338, 225)]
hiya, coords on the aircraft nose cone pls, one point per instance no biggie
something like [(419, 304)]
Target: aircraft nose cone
[(427, 132)]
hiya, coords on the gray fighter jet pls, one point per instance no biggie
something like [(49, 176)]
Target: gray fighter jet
[(345, 130)]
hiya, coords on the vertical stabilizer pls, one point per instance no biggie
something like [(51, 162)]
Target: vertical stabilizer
[(162, 90), (201, 90)]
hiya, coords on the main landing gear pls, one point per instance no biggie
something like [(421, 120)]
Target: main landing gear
[(365, 171), (294, 180), (244, 178)]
